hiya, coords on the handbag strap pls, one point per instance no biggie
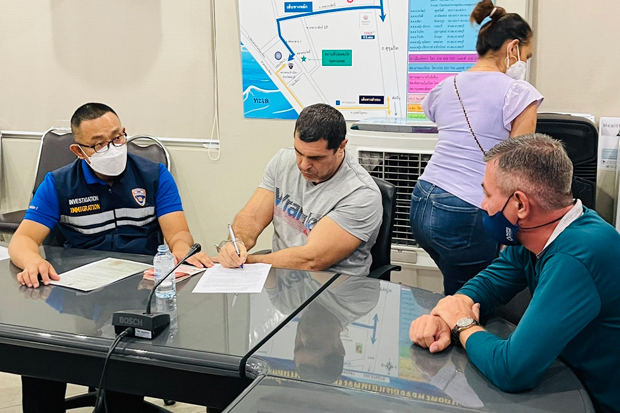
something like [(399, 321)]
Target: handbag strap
[(467, 118)]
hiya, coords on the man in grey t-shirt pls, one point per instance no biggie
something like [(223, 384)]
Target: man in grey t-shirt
[(325, 208)]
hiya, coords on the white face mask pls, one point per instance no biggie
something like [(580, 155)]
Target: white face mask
[(110, 163), (519, 69)]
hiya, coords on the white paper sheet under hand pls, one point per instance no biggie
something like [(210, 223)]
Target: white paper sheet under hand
[(4, 253), (249, 279), (99, 273)]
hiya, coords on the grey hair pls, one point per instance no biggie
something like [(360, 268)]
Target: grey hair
[(536, 164)]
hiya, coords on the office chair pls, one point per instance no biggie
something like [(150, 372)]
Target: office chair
[(53, 153), (7, 221), (580, 138), (88, 400), (149, 148), (381, 252)]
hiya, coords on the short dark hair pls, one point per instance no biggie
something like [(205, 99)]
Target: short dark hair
[(328, 371), (88, 111), (502, 26), (536, 164), (321, 121), (320, 325)]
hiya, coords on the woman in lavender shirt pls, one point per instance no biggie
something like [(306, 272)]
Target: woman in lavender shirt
[(446, 218)]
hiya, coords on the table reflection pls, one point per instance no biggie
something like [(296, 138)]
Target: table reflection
[(445, 371), (355, 336)]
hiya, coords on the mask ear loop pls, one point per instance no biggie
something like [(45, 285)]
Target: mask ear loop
[(508, 56), (87, 157), (508, 200)]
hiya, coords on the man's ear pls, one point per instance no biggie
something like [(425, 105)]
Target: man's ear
[(343, 144), (75, 148), (524, 208)]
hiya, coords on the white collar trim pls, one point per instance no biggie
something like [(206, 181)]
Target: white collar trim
[(575, 212)]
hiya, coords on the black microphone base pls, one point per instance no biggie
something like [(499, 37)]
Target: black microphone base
[(145, 325)]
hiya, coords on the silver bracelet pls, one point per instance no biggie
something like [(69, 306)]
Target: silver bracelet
[(219, 246)]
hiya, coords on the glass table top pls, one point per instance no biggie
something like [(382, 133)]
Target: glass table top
[(216, 323), (355, 335)]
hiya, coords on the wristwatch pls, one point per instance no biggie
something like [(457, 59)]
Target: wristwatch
[(219, 246), (461, 325)]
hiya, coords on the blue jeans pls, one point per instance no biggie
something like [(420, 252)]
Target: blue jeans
[(450, 230)]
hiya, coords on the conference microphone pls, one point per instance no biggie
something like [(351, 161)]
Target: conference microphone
[(146, 324)]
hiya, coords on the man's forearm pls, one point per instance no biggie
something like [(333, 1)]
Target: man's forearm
[(297, 258), (181, 242), (464, 335), (23, 250), (246, 229)]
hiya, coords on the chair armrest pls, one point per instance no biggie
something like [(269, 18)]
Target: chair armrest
[(383, 272)]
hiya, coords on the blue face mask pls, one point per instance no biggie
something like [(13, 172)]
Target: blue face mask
[(499, 228), (505, 232)]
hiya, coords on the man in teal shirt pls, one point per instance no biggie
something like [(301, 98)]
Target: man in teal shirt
[(564, 253)]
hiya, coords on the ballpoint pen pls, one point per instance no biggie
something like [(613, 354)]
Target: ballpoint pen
[(234, 241)]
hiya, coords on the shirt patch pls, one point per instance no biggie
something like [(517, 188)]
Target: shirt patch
[(84, 200), (85, 208), (139, 195)]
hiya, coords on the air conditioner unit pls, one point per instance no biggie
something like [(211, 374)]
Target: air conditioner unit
[(400, 158)]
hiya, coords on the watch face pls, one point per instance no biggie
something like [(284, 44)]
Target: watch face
[(465, 322)]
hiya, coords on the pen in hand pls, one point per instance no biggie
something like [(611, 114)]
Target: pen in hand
[(234, 241)]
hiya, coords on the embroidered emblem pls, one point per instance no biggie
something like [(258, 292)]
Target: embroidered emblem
[(139, 194)]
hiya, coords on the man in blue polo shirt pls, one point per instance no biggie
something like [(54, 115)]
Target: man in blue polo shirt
[(105, 200)]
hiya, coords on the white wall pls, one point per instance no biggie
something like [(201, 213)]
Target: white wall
[(149, 59), (575, 66)]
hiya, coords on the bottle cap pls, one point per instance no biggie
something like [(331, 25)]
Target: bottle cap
[(163, 248)]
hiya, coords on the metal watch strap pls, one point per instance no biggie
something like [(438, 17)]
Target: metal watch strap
[(458, 95)]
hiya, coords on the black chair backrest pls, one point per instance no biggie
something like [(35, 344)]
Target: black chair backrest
[(580, 138), (53, 154), (381, 251), (149, 148)]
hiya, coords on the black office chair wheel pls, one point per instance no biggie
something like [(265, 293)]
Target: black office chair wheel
[(169, 402)]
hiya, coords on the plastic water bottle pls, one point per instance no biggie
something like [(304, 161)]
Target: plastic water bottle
[(169, 306), (163, 263)]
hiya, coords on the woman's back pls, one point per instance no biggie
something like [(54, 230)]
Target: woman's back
[(492, 101)]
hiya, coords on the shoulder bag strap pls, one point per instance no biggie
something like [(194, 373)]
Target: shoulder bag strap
[(466, 118)]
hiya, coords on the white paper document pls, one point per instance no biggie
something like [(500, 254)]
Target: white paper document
[(99, 273), (249, 279), (4, 253)]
